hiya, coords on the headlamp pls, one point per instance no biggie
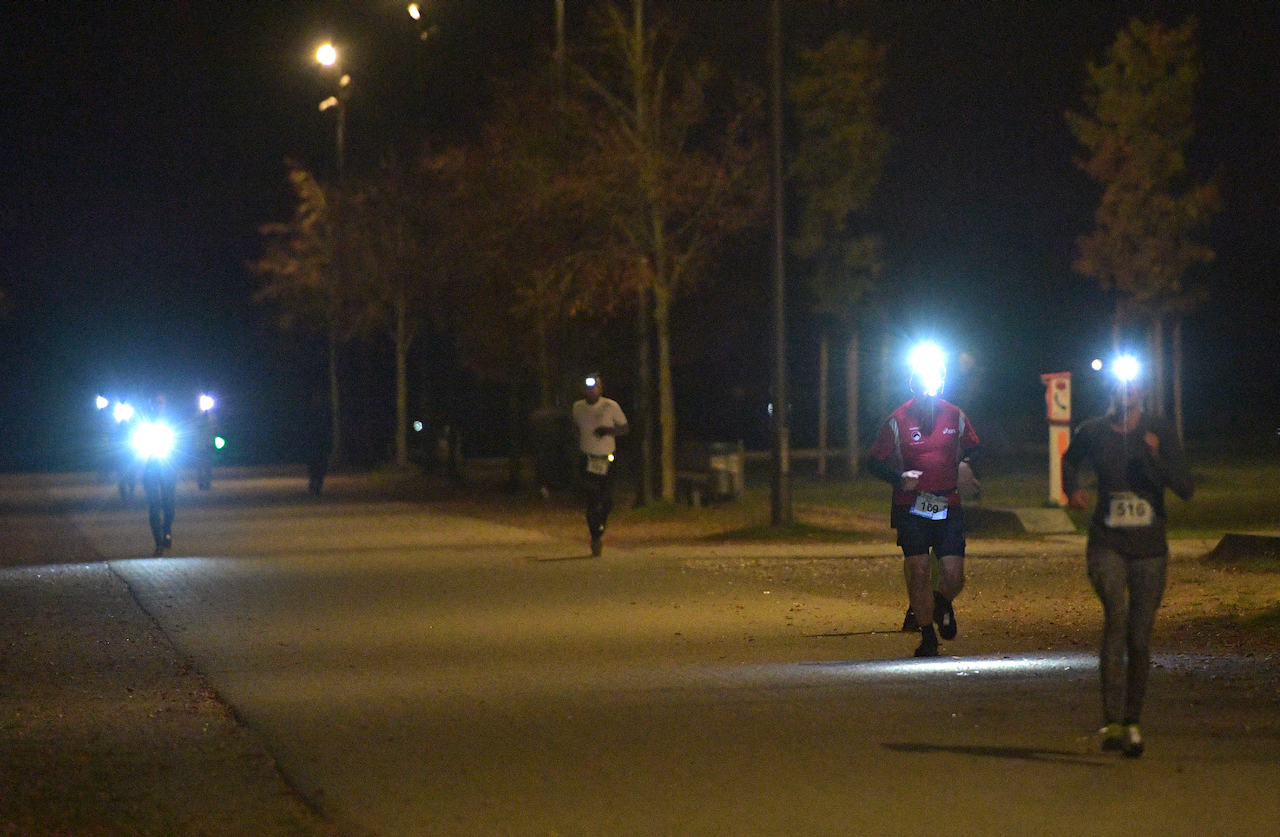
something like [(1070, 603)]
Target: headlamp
[(206, 403), (928, 369), (122, 412), (591, 382), (1126, 368), (153, 440), (102, 403)]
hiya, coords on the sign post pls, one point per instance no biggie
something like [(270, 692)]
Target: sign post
[(1057, 396)]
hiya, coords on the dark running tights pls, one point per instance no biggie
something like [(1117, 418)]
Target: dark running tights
[(1130, 590)]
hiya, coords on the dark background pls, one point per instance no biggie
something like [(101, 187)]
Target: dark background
[(143, 144)]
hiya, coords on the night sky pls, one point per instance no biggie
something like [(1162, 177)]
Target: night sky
[(143, 145)]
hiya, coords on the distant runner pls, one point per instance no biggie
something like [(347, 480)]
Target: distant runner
[(599, 421)]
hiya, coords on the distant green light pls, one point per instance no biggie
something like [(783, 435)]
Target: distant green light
[(219, 442)]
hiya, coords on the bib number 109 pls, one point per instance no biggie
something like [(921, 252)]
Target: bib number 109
[(930, 506)]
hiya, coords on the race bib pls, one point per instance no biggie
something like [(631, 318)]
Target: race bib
[(597, 464), (930, 506), (1128, 511)]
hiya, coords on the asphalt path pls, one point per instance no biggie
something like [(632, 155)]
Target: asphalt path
[(420, 674)]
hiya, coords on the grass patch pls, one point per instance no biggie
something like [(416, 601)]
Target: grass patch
[(1269, 618), (1232, 495), (795, 532)]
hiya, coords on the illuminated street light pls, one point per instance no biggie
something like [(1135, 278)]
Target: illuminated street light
[(327, 55), (1097, 364), (415, 11)]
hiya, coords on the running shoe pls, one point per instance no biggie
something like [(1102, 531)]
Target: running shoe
[(928, 645), (1132, 741), (1113, 737), (909, 623), (596, 547), (945, 615)]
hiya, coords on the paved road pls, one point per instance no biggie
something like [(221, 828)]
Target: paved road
[(418, 674)]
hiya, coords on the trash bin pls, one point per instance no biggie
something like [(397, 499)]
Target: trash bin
[(725, 460)]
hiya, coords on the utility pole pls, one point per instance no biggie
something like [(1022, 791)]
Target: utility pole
[(644, 386), (781, 494)]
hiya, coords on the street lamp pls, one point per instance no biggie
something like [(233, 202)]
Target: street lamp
[(780, 496), (327, 56)]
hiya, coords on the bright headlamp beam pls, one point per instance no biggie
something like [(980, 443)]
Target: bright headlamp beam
[(122, 411), (1126, 368), (153, 440), (206, 403), (928, 364), (590, 382)]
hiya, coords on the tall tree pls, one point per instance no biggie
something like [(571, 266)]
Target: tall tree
[(1136, 127), (839, 157), (395, 234), (672, 174), (303, 280), (531, 229)]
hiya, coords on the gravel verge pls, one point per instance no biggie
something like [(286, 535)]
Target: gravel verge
[(105, 729)]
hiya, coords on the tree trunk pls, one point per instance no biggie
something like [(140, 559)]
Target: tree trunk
[(544, 361), (852, 384), (335, 411), (885, 385), (1157, 395), (515, 437), (824, 368), (666, 396), (402, 381), (1177, 379), (644, 387)]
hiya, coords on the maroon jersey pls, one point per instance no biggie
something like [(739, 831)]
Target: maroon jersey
[(936, 455)]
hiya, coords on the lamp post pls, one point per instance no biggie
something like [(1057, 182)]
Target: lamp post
[(781, 494), (327, 56)]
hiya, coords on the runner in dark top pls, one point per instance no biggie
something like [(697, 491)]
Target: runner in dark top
[(1134, 456)]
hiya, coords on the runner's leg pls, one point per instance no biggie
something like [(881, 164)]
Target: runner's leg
[(1107, 573), (919, 588), (1146, 589)]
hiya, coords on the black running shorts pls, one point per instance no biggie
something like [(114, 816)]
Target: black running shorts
[(917, 535)]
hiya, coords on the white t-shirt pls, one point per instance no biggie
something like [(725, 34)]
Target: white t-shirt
[(604, 413)]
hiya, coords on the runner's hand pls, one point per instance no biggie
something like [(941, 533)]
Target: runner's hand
[(1153, 443), (910, 479), (1079, 499)]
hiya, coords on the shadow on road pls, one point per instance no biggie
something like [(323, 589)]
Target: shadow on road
[(1015, 753)]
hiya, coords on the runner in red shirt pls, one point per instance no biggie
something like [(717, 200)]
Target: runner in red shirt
[(919, 452)]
